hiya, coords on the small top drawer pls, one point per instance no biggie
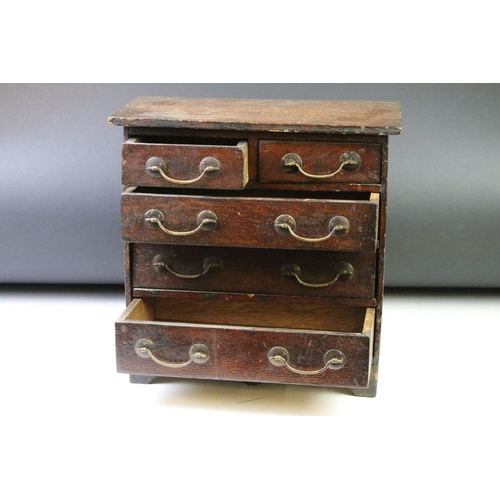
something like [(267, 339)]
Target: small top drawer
[(319, 162), (161, 164)]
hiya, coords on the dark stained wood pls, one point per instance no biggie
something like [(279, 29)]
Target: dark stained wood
[(183, 163), (254, 271), (319, 158), (249, 222), (346, 117), (244, 357), (371, 390), (314, 187), (333, 302), (243, 311), (240, 353), (128, 275), (194, 134), (172, 344)]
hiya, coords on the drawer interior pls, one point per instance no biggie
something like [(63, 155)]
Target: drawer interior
[(268, 193), (199, 141), (255, 311)]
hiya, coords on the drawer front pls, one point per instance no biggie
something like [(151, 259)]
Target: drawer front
[(320, 162), (256, 354), (280, 272), (311, 224), (247, 356), (172, 344), (185, 165)]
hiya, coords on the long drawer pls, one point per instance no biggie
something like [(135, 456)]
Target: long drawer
[(282, 341), (310, 224), (220, 269)]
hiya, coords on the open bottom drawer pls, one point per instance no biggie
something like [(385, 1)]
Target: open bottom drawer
[(239, 337)]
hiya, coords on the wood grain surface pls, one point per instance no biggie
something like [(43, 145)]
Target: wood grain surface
[(239, 352), (347, 117), (183, 162), (253, 270), (318, 158), (249, 222), (244, 308)]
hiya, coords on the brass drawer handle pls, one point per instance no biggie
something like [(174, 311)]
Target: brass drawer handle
[(163, 263), (156, 167), (343, 272), (198, 353), (338, 226), (206, 220), (292, 162), (334, 359)]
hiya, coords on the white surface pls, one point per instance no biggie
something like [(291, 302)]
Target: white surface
[(73, 428)]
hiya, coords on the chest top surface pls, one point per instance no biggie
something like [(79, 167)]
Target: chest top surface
[(345, 117)]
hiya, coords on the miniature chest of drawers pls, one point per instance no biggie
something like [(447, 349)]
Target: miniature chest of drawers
[(254, 238)]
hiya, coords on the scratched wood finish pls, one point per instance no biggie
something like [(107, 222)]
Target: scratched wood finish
[(346, 117), (319, 158), (257, 135), (235, 323), (240, 353), (253, 271), (183, 163), (249, 222), (155, 134), (371, 390), (128, 275), (333, 302)]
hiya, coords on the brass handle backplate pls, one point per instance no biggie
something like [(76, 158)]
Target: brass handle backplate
[(343, 271), (334, 360), (349, 162), (198, 353), (164, 264), (338, 226), (156, 168), (206, 220)]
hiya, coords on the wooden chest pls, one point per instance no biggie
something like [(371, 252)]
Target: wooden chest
[(254, 238)]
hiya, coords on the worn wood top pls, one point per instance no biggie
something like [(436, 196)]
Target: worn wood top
[(346, 117)]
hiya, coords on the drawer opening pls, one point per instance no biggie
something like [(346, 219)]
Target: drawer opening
[(261, 193), (199, 141), (259, 312)]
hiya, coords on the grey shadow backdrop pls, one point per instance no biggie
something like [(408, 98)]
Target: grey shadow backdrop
[(61, 178)]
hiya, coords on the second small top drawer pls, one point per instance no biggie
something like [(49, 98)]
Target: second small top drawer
[(313, 162)]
